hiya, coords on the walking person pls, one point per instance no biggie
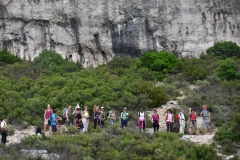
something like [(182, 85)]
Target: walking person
[(54, 122), (182, 121), (193, 120), (47, 114), (102, 117), (124, 117), (4, 130), (169, 120), (206, 120), (155, 120), (85, 119), (68, 116), (112, 116), (97, 114), (141, 120)]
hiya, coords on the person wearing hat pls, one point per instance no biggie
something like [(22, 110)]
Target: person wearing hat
[(124, 117), (206, 120), (85, 119), (182, 121), (112, 116)]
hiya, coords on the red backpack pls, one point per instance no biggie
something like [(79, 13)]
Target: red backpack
[(177, 117)]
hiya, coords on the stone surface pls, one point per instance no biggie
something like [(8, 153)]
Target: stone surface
[(92, 32), (40, 153)]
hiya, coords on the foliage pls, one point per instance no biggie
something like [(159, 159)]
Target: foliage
[(7, 58), (129, 144), (54, 62), (224, 49), (227, 69), (230, 131), (11, 130), (159, 61)]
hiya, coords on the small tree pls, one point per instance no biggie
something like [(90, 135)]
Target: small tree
[(159, 61), (227, 69), (224, 49), (7, 57)]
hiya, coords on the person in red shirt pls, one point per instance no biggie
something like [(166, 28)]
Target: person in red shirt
[(193, 121)]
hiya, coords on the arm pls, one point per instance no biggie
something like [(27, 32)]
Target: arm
[(201, 113), (209, 118), (44, 114), (67, 115)]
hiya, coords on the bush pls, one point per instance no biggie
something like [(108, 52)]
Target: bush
[(227, 69), (7, 58), (224, 49), (54, 62), (11, 130), (159, 61)]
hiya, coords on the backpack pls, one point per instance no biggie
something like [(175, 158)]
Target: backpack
[(64, 112), (205, 113), (177, 117), (38, 130), (49, 121)]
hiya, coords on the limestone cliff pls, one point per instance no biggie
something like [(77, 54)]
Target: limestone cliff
[(93, 31)]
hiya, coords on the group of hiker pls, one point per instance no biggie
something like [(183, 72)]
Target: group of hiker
[(81, 119)]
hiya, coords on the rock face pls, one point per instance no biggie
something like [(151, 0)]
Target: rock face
[(93, 31)]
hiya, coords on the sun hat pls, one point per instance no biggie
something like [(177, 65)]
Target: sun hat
[(102, 107), (113, 109), (124, 108)]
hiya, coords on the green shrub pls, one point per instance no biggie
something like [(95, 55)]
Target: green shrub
[(54, 62), (11, 130), (159, 61), (224, 49), (7, 58), (227, 69)]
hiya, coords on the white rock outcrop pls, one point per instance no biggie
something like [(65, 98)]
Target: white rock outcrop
[(92, 32)]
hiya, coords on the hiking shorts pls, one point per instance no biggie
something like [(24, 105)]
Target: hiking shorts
[(205, 124), (193, 124), (46, 121)]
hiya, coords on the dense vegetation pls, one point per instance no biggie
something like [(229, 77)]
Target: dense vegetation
[(114, 143), (27, 87)]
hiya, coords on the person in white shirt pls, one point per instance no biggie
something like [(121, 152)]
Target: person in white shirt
[(4, 129), (141, 120), (182, 121), (169, 120)]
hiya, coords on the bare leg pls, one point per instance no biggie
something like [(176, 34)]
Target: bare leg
[(44, 127)]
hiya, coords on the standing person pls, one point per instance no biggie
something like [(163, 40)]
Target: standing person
[(47, 114), (78, 118), (155, 120), (206, 122), (4, 129), (169, 120), (193, 121), (182, 121), (102, 117), (97, 114), (112, 116), (141, 119), (124, 117), (85, 119), (54, 122), (68, 116)]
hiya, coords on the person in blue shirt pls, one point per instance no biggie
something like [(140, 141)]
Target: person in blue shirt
[(54, 119)]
